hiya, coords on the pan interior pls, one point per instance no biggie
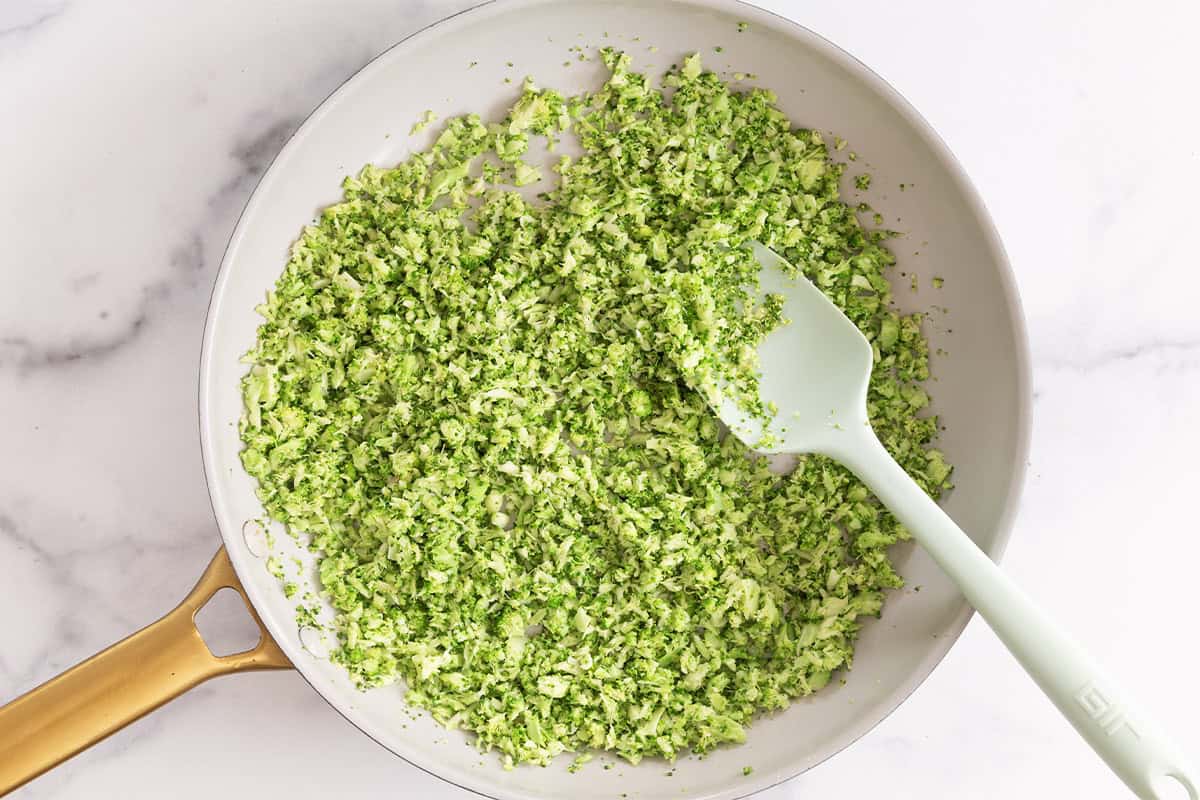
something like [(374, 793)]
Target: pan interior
[(981, 387)]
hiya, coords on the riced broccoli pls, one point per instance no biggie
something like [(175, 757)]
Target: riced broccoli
[(482, 410)]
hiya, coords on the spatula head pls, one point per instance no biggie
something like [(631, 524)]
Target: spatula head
[(815, 369)]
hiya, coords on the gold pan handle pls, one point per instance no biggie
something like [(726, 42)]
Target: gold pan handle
[(113, 688)]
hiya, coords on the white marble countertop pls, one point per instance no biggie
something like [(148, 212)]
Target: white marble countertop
[(131, 133)]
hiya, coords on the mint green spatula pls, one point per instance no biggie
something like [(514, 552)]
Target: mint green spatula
[(816, 371)]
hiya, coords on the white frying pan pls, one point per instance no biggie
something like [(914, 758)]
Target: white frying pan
[(982, 388)]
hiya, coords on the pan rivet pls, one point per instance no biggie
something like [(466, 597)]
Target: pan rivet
[(313, 640), (255, 536)]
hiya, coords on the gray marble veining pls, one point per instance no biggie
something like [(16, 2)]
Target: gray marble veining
[(131, 135)]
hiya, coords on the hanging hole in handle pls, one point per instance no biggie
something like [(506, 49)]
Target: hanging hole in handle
[(226, 626), (1175, 787)]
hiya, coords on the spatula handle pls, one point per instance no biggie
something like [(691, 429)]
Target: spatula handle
[(1133, 747)]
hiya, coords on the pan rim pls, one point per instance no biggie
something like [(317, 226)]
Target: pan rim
[(795, 30)]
